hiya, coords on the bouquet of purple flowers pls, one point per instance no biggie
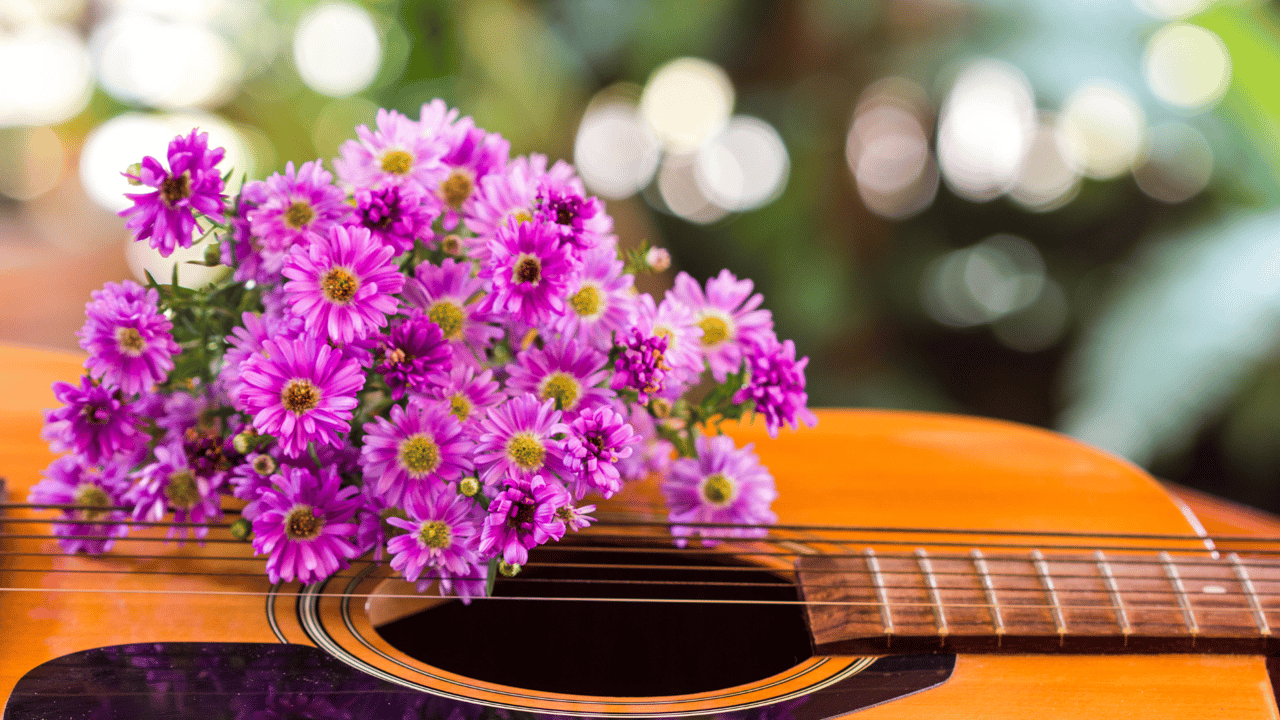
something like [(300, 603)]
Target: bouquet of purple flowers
[(436, 357)]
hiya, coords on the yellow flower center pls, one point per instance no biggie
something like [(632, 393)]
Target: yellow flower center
[(339, 285), (91, 496), (299, 396), (714, 330), (563, 387), (419, 455), (397, 162), (522, 216), (298, 215), (526, 451), (302, 523), (435, 534), (182, 490), (130, 341), (586, 302), (718, 490), (265, 465), (457, 188), (448, 316), (460, 406)]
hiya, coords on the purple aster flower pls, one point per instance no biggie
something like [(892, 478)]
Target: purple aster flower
[(450, 296), (192, 184), (396, 216), (510, 194), (531, 273), (601, 302), (470, 394), (419, 448), (176, 413), (641, 366), (522, 516), (208, 454), (566, 371), (343, 284), (722, 485), (304, 523), (413, 355), (94, 422), (574, 517), (442, 535), (100, 489), (516, 440), (775, 384), (470, 155), (396, 153), (241, 249), (169, 484), (128, 340), (580, 220), (599, 440), (373, 530), (300, 391), (291, 207), (246, 340), (728, 316)]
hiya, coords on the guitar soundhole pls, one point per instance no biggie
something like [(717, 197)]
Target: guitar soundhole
[(613, 649)]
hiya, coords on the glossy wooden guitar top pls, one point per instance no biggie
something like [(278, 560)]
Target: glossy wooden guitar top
[(856, 468)]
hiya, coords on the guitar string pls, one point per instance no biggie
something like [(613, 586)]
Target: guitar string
[(609, 520)]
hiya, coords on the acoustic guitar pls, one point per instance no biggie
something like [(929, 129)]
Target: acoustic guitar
[(924, 566)]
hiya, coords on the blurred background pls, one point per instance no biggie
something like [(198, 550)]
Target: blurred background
[(1060, 213)]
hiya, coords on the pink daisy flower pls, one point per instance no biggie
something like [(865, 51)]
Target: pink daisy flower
[(516, 441), (129, 342), (192, 184), (418, 449), (396, 215), (99, 489), (470, 394), (531, 273), (579, 219), (291, 207), (94, 422), (304, 524), (471, 155), (412, 355), (676, 323), (300, 391), (723, 484), (442, 535), (521, 517), (170, 484), (600, 439), (509, 194), (566, 371), (450, 297), (395, 154), (343, 284), (728, 316), (775, 384)]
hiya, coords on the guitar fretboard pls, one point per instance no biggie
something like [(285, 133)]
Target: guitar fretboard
[(904, 601)]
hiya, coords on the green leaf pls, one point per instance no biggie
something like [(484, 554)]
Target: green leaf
[(490, 576)]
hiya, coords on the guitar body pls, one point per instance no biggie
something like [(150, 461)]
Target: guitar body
[(856, 468)]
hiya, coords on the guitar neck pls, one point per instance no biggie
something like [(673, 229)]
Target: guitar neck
[(904, 601)]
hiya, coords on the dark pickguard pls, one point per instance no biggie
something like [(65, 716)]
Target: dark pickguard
[(249, 681)]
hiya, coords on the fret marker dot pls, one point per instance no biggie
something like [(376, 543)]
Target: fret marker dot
[(1213, 590)]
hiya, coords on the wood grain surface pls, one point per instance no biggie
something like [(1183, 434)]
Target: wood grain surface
[(856, 468)]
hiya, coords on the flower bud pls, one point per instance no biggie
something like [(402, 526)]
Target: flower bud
[(658, 259), (242, 529), (132, 173), (265, 465), (213, 254), (244, 442), (661, 408), (451, 245), (507, 569), (470, 487)]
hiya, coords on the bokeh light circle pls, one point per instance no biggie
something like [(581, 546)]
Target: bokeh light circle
[(1047, 179), (986, 125), (199, 67), (337, 49), (1103, 125), (1187, 66), (687, 102), (681, 194), (47, 75), (1177, 164), (744, 167), (615, 151)]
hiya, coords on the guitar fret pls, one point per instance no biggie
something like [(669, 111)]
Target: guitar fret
[(1042, 569), (1242, 575), (877, 580), (979, 562), (1122, 617), (1188, 615), (926, 569)]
